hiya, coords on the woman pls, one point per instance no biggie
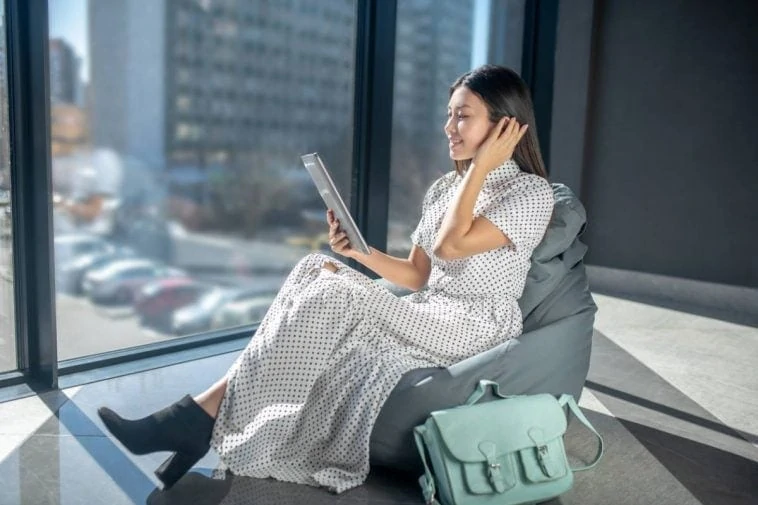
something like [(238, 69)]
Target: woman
[(300, 401)]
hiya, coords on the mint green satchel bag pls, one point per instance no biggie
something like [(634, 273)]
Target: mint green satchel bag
[(505, 452)]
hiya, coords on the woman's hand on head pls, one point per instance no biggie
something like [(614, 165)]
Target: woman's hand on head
[(338, 240), (499, 145)]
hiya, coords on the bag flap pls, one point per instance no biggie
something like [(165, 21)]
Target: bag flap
[(511, 424)]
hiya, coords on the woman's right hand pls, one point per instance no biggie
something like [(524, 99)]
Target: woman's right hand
[(338, 240), (499, 145)]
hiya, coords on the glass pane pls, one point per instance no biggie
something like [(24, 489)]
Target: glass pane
[(435, 43), (177, 129), (7, 314)]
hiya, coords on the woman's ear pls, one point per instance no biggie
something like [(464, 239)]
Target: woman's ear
[(493, 124)]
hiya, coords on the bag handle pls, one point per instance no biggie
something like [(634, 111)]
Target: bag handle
[(427, 480), (569, 400), (481, 388)]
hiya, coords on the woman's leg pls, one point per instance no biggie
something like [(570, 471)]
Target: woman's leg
[(210, 399), (183, 428)]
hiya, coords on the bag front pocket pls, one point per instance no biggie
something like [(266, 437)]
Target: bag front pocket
[(544, 462), (496, 474)]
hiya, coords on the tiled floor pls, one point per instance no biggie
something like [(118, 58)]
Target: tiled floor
[(675, 396)]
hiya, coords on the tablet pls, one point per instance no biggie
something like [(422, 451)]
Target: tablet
[(333, 200)]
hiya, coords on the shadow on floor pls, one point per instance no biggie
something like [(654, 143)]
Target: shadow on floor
[(672, 412), (713, 476)]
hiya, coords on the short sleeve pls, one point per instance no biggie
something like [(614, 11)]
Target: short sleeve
[(523, 210), (419, 235)]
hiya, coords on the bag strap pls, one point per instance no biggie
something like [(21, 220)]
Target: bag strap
[(569, 400), (427, 480), (481, 388)]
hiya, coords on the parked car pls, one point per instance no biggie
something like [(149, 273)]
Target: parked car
[(197, 317), (156, 301), (69, 276), (242, 312), (119, 281)]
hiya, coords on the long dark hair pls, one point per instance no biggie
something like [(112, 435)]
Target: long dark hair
[(505, 94)]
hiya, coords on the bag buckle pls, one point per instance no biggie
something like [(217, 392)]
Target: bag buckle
[(496, 477), (545, 461), (493, 472)]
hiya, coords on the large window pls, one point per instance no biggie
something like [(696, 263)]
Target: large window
[(7, 316), (177, 129)]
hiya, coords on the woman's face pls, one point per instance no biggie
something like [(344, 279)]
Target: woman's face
[(467, 124)]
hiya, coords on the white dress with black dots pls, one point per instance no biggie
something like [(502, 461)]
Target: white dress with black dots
[(303, 396)]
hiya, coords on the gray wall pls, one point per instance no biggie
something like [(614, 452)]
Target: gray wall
[(665, 153)]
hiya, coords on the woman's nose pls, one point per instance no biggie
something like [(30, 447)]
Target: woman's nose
[(449, 126)]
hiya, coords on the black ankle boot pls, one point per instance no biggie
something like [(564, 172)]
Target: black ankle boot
[(183, 428)]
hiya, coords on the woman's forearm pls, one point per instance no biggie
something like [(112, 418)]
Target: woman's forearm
[(398, 271), (460, 215)]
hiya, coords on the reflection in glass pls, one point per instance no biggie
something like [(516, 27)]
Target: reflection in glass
[(177, 127), (435, 43), (7, 314)]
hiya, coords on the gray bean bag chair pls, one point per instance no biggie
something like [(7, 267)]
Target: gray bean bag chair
[(551, 356)]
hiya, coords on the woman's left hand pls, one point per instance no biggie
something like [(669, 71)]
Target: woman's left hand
[(499, 145), (338, 240)]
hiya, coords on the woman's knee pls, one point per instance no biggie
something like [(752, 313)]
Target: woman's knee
[(311, 263)]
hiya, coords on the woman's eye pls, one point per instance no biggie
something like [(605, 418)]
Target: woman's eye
[(461, 116)]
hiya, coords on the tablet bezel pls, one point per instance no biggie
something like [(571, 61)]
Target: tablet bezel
[(333, 200)]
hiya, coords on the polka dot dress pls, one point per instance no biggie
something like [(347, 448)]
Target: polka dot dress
[(304, 394)]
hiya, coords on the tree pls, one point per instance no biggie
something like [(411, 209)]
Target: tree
[(248, 193)]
